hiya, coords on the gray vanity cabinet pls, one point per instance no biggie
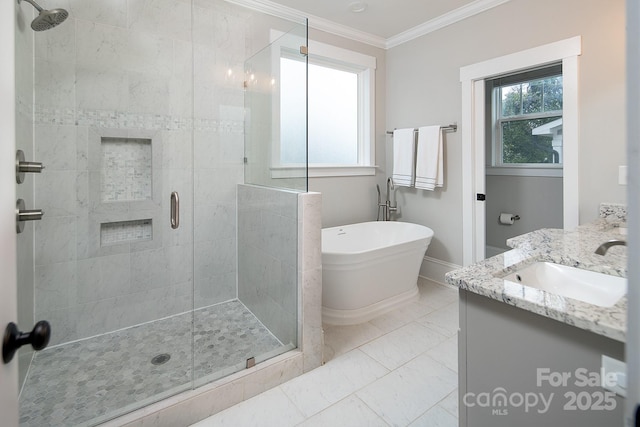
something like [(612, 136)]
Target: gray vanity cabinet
[(517, 368)]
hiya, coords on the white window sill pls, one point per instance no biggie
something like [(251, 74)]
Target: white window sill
[(322, 171), (543, 171)]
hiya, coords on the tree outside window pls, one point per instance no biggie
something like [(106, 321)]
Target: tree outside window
[(528, 126)]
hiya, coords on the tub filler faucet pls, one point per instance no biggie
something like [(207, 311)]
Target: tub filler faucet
[(603, 248), (386, 206)]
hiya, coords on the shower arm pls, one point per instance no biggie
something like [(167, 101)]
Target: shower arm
[(32, 3)]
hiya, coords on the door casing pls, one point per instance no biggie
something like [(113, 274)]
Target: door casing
[(472, 78), (8, 253)]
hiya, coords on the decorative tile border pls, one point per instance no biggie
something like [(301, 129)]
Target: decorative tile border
[(53, 116), (122, 119)]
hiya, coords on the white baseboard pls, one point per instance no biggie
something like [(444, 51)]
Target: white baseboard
[(435, 269)]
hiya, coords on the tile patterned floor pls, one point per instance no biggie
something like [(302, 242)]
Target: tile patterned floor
[(399, 370), (96, 379)]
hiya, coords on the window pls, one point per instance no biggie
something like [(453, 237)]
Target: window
[(526, 119), (333, 113), (340, 112)]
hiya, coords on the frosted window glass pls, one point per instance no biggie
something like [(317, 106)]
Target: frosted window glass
[(292, 111), (333, 114)]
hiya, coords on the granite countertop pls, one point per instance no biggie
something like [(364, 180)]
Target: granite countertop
[(574, 249)]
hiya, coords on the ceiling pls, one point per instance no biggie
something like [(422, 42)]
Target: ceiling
[(382, 18)]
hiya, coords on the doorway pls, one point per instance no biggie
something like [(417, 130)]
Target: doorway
[(473, 129), (524, 154)]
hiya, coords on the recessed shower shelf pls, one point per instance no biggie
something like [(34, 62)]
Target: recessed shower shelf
[(126, 172), (113, 233)]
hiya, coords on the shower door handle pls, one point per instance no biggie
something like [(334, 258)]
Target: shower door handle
[(14, 339), (175, 210)]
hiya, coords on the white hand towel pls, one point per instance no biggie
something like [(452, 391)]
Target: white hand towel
[(429, 158), (403, 149)]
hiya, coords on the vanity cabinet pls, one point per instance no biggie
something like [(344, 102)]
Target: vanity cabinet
[(521, 369)]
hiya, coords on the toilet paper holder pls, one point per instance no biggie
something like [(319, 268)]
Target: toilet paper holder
[(507, 218)]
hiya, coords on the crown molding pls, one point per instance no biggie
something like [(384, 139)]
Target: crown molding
[(347, 32), (315, 22), (456, 15), (271, 8), (442, 21)]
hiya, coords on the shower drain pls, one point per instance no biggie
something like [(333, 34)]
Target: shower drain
[(160, 359)]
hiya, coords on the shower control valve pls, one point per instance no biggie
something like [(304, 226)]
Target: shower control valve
[(23, 215), (23, 167)]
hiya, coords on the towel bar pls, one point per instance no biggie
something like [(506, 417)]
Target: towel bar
[(452, 128)]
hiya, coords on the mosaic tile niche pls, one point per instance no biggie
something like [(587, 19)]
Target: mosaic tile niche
[(125, 205), (126, 174), (126, 169), (125, 231)]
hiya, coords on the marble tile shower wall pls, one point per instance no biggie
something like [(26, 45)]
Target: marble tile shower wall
[(267, 256), (130, 66)]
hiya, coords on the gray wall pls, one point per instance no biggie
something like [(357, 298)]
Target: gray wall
[(423, 88), (538, 201)]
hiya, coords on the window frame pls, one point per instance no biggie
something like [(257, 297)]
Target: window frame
[(345, 60), (496, 166)]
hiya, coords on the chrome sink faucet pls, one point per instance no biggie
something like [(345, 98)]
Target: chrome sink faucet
[(603, 248), (386, 207)]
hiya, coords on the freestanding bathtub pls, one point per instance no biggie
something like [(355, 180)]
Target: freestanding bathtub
[(370, 268)]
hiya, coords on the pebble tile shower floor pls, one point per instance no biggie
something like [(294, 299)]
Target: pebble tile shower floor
[(88, 381)]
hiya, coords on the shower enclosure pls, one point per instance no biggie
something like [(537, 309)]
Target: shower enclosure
[(158, 268)]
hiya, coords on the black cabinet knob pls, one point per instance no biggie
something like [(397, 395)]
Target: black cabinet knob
[(14, 339)]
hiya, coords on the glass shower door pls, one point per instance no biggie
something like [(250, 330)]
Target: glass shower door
[(112, 265), (245, 293)]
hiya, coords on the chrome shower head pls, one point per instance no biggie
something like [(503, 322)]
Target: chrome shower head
[(47, 19)]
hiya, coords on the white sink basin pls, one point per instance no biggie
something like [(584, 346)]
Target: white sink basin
[(583, 285)]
